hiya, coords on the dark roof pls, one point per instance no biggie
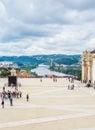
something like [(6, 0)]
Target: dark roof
[(93, 51)]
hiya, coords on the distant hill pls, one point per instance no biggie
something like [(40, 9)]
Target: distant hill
[(46, 59), (68, 64)]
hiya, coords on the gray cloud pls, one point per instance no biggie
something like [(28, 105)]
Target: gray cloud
[(46, 27)]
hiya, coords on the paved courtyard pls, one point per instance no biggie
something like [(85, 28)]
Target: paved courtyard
[(51, 106)]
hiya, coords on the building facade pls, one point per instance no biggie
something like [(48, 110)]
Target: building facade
[(88, 66)]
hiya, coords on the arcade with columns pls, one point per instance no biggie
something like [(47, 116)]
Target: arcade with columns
[(88, 66)]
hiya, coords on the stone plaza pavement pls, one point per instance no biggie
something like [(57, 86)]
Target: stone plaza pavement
[(51, 106)]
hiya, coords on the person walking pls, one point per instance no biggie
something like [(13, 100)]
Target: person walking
[(11, 100), (27, 97), (2, 103)]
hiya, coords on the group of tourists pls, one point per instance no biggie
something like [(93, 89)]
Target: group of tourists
[(54, 79), (71, 87), (9, 95)]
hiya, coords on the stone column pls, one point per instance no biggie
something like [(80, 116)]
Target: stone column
[(89, 72), (89, 66), (90, 69), (93, 69), (84, 67), (84, 72)]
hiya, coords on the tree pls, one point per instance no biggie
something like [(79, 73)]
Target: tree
[(79, 76)]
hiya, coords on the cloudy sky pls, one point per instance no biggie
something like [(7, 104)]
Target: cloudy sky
[(30, 27)]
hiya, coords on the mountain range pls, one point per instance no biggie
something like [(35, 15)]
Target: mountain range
[(45, 59)]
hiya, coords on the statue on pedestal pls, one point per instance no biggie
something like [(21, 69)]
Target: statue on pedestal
[(12, 79), (13, 72)]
